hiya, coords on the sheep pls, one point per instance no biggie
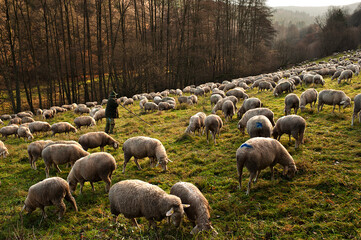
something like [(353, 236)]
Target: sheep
[(259, 153), (219, 104), (215, 98), (135, 198), (333, 97), (199, 92), (254, 112), (150, 106), (345, 75), (292, 125), (80, 109), (62, 127), (308, 97), (141, 147), (27, 120), (219, 92), (182, 99), (142, 102), (284, 86), (93, 168), (39, 126), (50, 191), (97, 139), (25, 133), (194, 125), (259, 126), (228, 110), (99, 115), (193, 98), (214, 124), (356, 108), (164, 106), (318, 79), (265, 85), (3, 150), (15, 120), (248, 104), (47, 114), (198, 210), (202, 116), (9, 130), (34, 151), (336, 74), (24, 114), (84, 121), (91, 104), (238, 93), (94, 110), (129, 101), (61, 153), (291, 101), (5, 117), (104, 102)]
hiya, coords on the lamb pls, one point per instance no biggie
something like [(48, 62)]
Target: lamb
[(25, 133), (99, 115), (198, 210), (34, 151), (357, 108), (62, 127), (60, 154), (228, 110), (259, 153), (308, 97), (265, 85), (141, 147), (3, 150), (291, 101), (97, 139), (93, 168), (150, 106), (194, 125), (248, 104), (259, 126), (215, 98), (9, 130), (333, 97), (84, 121), (345, 75), (254, 112), (50, 191), (292, 125), (214, 124), (135, 198), (39, 126)]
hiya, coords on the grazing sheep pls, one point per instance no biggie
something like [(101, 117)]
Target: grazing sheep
[(259, 153), (333, 97), (27, 120), (345, 75), (265, 85), (142, 102), (194, 125), (34, 151), (94, 110), (248, 104), (104, 102), (3, 150), (202, 117), (199, 92), (219, 104), (150, 106), (97, 139), (135, 198), (9, 130), (198, 210), (61, 153), (336, 74), (99, 115), (357, 108), (292, 125), (214, 124), (91, 104), (308, 79), (5, 117), (39, 126), (84, 121), (141, 147), (182, 99), (193, 98), (254, 112), (164, 106), (47, 114), (93, 168), (291, 101), (281, 87), (318, 79), (215, 98), (259, 126), (308, 97), (50, 191), (25, 133), (15, 120), (62, 127), (228, 110), (24, 114), (80, 109), (129, 101), (238, 93)]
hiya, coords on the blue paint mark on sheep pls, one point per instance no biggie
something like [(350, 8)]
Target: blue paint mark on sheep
[(259, 125), (246, 145)]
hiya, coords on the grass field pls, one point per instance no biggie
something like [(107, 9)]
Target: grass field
[(323, 201)]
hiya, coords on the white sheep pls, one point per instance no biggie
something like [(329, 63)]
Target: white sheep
[(292, 125), (135, 198), (291, 101), (254, 112), (84, 121), (34, 151), (141, 147), (228, 110), (259, 126), (248, 104), (39, 126), (25, 133), (3, 150), (150, 106), (214, 124), (50, 191), (99, 115), (142, 102), (333, 97), (356, 108), (259, 153), (194, 125), (308, 97), (9, 130), (215, 98), (345, 75), (62, 127), (97, 139), (93, 168)]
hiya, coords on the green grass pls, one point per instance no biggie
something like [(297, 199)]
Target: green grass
[(322, 201)]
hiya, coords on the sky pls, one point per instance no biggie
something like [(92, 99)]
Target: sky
[(308, 3)]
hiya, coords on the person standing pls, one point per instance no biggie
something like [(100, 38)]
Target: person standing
[(111, 112)]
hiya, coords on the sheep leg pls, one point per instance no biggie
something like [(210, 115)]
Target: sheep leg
[(296, 136), (91, 183), (43, 212), (47, 170), (62, 208), (353, 116), (81, 187), (255, 180), (207, 135), (251, 177), (339, 108), (333, 109), (57, 168), (136, 162)]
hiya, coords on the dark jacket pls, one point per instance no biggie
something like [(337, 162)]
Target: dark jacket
[(111, 111)]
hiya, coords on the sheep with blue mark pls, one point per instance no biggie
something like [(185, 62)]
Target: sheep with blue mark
[(254, 112), (259, 126), (259, 153)]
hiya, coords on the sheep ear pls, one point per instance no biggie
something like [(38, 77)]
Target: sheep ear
[(285, 170), (170, 212), (186, 205)]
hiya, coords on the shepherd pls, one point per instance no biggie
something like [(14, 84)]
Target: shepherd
[(111, 112)]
